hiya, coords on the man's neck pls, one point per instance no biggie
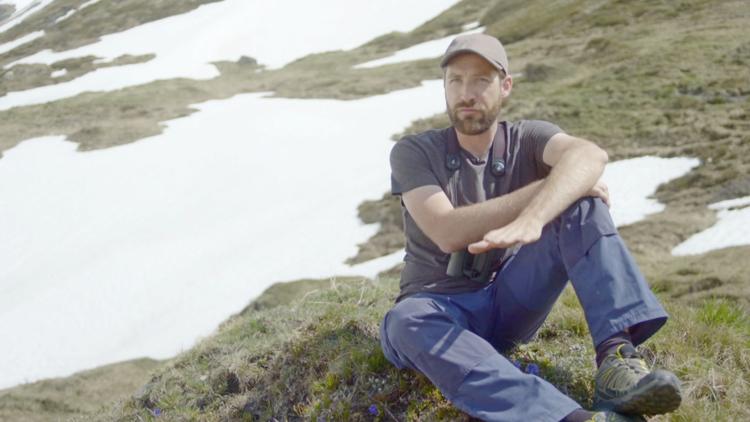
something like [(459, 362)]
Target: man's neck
[(478, 145)]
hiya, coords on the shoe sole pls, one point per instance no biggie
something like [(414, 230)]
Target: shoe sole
[(659, 394)]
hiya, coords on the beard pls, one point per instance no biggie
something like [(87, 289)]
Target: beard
[(472, 124)]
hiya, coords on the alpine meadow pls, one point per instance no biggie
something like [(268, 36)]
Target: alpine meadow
[(268, 308)]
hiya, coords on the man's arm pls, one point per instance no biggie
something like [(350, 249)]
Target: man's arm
[(454, 228), (577, 165)]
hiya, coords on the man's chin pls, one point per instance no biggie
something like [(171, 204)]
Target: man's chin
[(471, 129)]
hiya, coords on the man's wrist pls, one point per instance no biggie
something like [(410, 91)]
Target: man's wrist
[(532, 217)]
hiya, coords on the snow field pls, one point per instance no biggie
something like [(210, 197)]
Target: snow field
[(140, 249), (186, 45)]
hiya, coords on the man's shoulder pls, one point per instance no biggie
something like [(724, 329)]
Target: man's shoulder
[(530, 124), (527, 123)]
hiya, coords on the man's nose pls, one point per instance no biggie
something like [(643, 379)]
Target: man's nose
[(467, 93)]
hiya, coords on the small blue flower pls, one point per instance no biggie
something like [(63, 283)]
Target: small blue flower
[(157, 411), (373, 410), (516, 363), (532, 369)]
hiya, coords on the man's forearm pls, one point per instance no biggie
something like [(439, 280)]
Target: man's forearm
[(475, 220), (573, 176)]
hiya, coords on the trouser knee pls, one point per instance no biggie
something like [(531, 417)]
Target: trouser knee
[(433, 342), (391, 329), (581, 225)]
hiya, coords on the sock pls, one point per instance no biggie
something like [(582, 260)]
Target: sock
[(578, 415), (609, 345)]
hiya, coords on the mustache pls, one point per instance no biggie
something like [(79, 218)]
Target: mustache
[(469, 104)]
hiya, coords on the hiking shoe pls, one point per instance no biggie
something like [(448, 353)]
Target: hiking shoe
[(615, 417), (624, 384)]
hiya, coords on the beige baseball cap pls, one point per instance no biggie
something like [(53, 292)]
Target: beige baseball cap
[(487, 46)]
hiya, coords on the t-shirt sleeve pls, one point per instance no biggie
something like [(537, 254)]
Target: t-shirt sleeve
[(536, 135), (410, 167)]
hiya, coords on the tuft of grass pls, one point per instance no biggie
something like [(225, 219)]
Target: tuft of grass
[(720, 312)]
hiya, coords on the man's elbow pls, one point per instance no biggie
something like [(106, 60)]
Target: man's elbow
[(446, 241), (596, 155), (601, 155), (448, 247)]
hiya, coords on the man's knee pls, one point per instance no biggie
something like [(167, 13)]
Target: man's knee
[(403, 323), (398, 332), (589, 211), (582, 225)]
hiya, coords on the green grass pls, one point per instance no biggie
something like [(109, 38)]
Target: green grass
[(319, 357)]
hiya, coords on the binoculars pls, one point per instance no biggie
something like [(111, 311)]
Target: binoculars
[(476, 268)]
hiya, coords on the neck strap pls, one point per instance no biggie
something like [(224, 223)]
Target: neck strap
[(498, 154)]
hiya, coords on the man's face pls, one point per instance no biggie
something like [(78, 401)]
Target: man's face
[(474, 90)]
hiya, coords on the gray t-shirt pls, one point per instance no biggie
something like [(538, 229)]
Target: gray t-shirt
[(420, 160)]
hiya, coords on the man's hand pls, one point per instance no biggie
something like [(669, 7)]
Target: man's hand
[(521, 231), (525, 230), (600, 190)]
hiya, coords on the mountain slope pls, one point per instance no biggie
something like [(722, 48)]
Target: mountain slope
[(667, 78)]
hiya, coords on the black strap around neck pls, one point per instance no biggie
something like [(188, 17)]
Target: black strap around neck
[(497, 155)]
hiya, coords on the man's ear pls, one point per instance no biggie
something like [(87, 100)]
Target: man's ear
[(506, 85)]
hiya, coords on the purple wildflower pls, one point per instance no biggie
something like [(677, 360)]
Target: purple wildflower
[(532, 369), (373, 410), (516, 363), (157, 412)]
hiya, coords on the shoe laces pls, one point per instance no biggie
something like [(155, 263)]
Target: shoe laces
[(624, 363), (632, 358)]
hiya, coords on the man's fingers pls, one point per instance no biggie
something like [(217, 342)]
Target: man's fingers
[(479, 247), (605, 198), (490, 241)]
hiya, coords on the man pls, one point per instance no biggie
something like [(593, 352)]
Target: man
[(498, 217)]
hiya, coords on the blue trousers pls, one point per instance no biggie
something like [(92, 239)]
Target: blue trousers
[(455, 339)]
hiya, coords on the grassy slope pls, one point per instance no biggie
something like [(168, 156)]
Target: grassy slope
[(319, 357), (80, 394), (656, 77), (600, 83)]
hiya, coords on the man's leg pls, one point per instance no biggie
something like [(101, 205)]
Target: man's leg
[(581, 245), (612, 291), (442, 337)]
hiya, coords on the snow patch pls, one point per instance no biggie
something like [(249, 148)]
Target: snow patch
[(732, 229), (58, 73), (425, 50), (470, 25), (632, 182), (70, 13), (88, 3), (8, 46), (24, 9)]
